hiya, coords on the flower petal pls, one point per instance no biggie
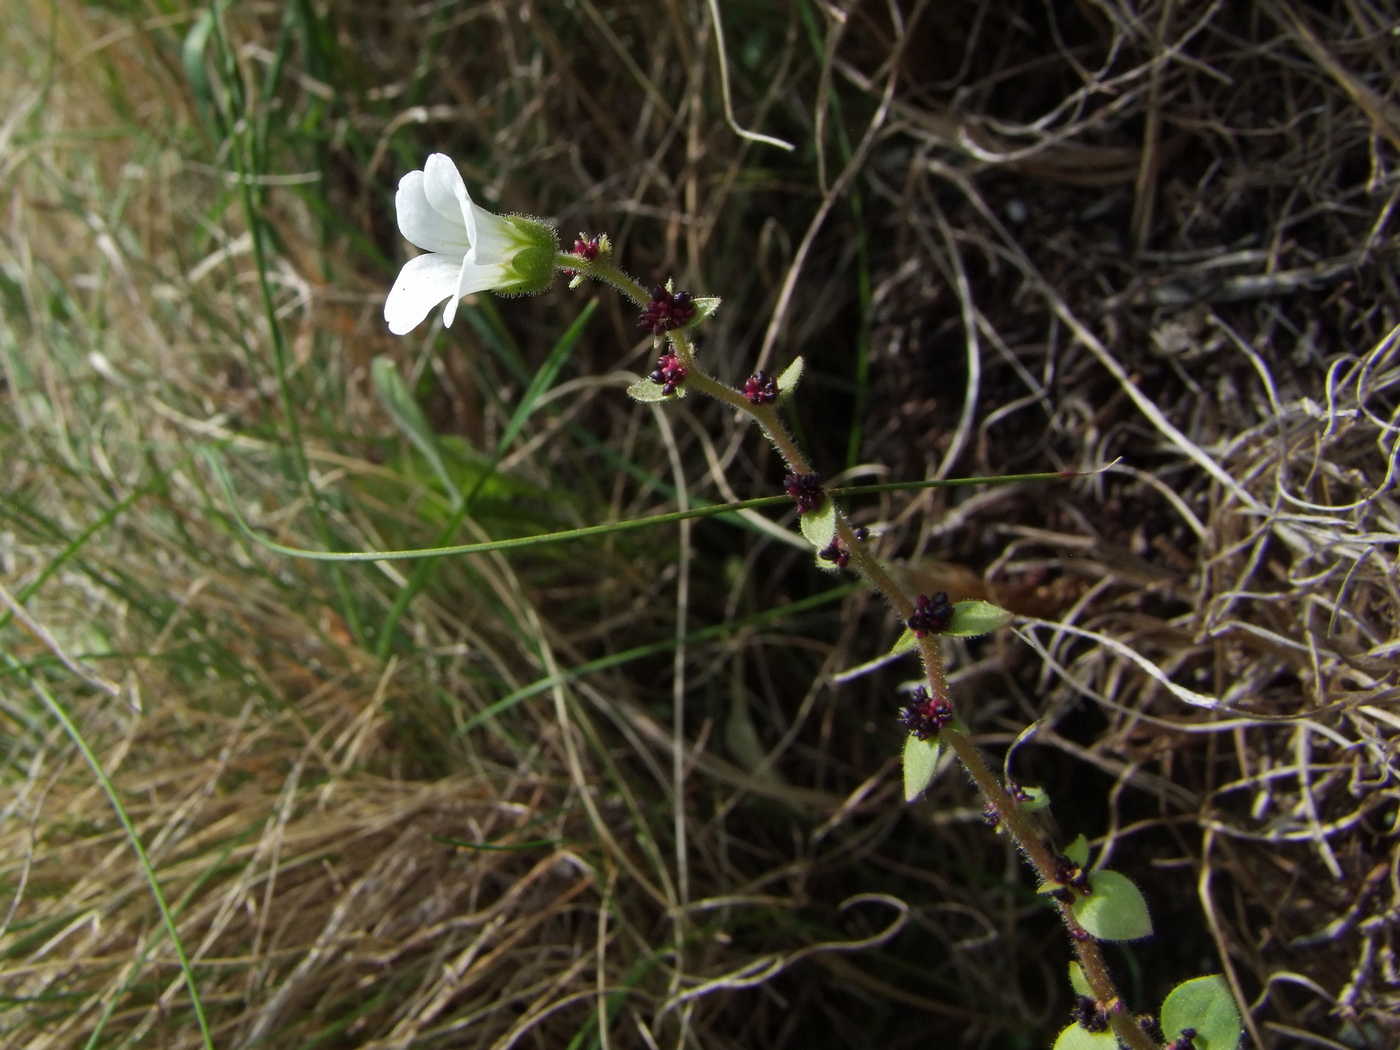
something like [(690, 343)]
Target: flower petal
[(447, 193), (494, 239), (422, 284), (424, 225), (476, 278)]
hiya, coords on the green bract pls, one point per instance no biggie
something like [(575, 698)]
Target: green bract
[(1115, 910), (1206, 1005), (1078, 850), (1036, 800), (972, 618), (1076, 1038), (787, 382), (819, 525), (705, 306), (920, 762), (906, 643), (650, 390)]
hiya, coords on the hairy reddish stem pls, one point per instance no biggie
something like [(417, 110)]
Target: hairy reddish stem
[(1023, 829)]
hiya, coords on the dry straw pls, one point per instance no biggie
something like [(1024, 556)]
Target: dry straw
[(1159, 235)]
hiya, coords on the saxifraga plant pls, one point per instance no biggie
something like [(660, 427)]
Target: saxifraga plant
[(468, 250)]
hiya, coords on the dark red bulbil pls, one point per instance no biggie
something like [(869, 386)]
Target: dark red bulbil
[(806, 491), (667, 311), (932, 615), (925, 715), (761, 389), (587, 247), (669, 374)]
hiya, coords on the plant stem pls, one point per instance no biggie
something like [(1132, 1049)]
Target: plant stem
[(1022, 828), (605, 272)]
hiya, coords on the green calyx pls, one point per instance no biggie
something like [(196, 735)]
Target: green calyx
[(533, 261)]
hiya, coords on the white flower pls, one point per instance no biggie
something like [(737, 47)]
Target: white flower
[(469, 249)]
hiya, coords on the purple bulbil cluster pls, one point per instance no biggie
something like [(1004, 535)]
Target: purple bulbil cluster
[(806, 491), (669, 374), (761, 389), (587, 247), (667, 311), (925, 715), (932, 615)]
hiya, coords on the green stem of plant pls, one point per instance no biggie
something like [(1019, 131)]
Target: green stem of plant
[(606, 272), (1023, 832), (1020, 826)]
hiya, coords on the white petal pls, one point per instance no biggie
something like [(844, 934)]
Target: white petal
[(494, 239), (423, 224), (475, 278), (447, 193), (422, 284)]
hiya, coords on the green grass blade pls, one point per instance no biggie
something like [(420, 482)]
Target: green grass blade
[(544, 378), (112, 1001), (167, 918), (705, 634), (566, 535), (403, 409), (424, 438)]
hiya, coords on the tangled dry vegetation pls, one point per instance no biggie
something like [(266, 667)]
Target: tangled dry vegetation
[(1166, 242), (1150, 240)]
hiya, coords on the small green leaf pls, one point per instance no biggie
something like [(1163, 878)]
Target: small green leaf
[(646, 390), (1078, 981), (394, 395), (787, 382), (819, 525), (1078, 851), (1115, 910), (1038, 800), (1077, 1038), (1205, 1004), (705, 306), (976, 617), (920, 761), (907, 643)]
